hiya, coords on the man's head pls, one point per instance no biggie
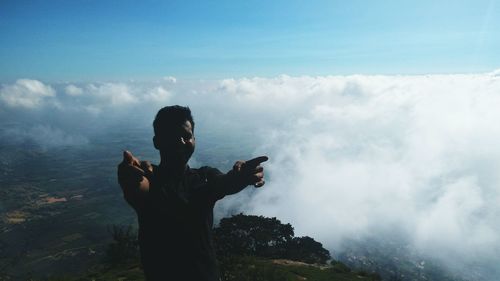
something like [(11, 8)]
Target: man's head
[(174, 133)]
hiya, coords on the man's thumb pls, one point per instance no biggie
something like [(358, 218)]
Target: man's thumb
[(127, 157)]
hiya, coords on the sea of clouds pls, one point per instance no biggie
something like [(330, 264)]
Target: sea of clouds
[(350, 156)]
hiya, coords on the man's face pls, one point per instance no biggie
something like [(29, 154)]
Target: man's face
[(179, 145)]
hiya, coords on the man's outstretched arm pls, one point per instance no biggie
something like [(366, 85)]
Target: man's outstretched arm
[(243, 174), (133, 179)]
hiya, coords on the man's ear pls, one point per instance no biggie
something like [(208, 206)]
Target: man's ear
[(156, 143)]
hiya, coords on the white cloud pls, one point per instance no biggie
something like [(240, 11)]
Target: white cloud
[(158, 95), (170, 79), (111, 94), (495, 72), (26, 93), (73, 90)]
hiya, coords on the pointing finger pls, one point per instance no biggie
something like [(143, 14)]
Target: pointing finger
[(256, 161)]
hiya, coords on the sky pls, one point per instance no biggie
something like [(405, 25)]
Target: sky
[(116, 40)]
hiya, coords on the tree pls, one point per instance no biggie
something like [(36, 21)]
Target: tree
[(252, 235), (125, 246), (307, 250), (265, 237)]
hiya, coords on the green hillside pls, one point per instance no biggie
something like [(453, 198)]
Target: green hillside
[(242, 269), (249, 248)]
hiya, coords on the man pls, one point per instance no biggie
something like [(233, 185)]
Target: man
[(174, 203)]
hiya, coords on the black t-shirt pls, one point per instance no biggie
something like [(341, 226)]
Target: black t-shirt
[(175, 227)]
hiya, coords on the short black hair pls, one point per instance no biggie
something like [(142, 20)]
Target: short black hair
[(170, 118)]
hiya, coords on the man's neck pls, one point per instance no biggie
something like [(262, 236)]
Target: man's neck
[(174, 171)]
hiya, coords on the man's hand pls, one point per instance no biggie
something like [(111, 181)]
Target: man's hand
[(250, 172), (133, 178)]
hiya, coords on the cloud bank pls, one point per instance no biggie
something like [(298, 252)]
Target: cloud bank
[(25, 93), (350, 156)]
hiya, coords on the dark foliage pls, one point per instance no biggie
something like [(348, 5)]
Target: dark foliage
[(125, 246), (265, 237), (307, 250), (252, 235)]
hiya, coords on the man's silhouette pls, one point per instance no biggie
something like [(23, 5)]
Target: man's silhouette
[(174, 203)]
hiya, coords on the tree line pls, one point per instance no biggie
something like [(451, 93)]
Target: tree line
[(239, 235)]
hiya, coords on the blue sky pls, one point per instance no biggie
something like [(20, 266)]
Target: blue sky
[(106, 40)]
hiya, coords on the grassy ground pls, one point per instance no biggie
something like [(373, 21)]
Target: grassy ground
[(239, 269)]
